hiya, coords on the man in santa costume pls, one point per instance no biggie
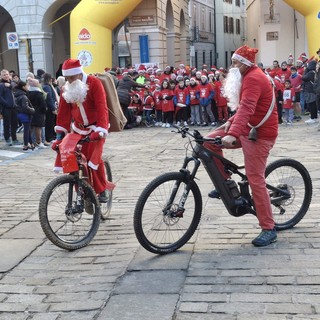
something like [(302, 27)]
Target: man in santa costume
[(83, 110), (250, 93)]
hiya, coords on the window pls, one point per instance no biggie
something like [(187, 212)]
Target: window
[(203, 57), (231, 27), (210, 21), (225, 24), (238, 31), (228, 24), (203, 20), (238, 3)]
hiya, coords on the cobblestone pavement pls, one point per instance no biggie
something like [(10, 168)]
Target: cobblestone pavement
[(217, 275)]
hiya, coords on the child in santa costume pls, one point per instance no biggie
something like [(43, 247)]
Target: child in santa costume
[(250, 92), (287, 104), (83, 110), (181, 100)]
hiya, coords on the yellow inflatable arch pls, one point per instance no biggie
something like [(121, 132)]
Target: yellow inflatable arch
[(310, 9), (91, 25)]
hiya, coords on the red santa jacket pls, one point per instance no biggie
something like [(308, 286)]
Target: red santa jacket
[(288, 98), (284, 75), (91, 115), (219, 97), (181, 95), (148, 103), (167, 105), (157, 101), (255, 101), (192, 90)]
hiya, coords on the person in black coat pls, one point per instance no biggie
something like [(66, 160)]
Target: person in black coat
[(25, 111), (52, 104), (125, 85), (36, 96), (308, 79), (7, 109)]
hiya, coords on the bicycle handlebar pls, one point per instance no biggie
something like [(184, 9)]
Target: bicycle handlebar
[(198, 137)]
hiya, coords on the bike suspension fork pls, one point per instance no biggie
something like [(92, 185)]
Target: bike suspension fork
[(189, 176)]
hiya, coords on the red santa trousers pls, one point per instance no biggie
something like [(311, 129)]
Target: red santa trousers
[(255, 160), (93, 152)]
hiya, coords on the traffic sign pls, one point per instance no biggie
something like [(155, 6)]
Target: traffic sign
[(13, 40)]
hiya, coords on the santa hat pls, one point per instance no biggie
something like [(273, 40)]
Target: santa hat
[(290, 57), (71, 67), (245, 55), (142, 68), (158, 70), (303, 55), (299, 59), (203, 76)]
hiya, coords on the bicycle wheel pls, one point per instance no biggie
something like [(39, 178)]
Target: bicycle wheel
[(292, 177), (160, 225), (62, 215), (105, 207)]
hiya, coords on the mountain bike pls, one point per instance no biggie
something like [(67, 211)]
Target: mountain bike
[(69, 208), (169, 209)]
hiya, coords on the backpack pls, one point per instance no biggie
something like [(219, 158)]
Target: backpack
[(117, 119)]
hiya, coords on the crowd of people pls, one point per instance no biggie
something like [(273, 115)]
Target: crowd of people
[(184, 95), (30, 105), (154, 97)]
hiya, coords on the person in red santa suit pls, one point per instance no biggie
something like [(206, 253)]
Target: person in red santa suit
[(83, 110), (250, 92), (284, 73)]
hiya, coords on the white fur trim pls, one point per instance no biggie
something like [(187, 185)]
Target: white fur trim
[(84, 131), (100, 129), (93, 166), (84, 77), (56, 128), (83, 114), (57, 169), (242, 60), (71, 72)]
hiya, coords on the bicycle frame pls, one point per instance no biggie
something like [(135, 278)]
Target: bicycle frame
[(236, 207)]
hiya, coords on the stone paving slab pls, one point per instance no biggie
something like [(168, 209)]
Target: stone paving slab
[(217, 275)]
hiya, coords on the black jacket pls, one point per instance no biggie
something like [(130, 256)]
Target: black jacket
[(6, 96), (309, 76), (124, 87), (39, 103)]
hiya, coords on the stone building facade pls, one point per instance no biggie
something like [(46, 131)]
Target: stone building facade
[(43, 30)]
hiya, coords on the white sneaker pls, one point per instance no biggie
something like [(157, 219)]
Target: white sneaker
[(164, 125), (168, 125), (213, 124), (185, 123), (311, 121), (41, 146), (178, 123)]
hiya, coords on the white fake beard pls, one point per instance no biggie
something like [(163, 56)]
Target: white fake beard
[(232, 87), (75, 92)]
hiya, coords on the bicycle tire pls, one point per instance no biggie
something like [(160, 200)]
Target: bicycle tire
[(155, 230), (68, 231), (105, 208), (295, 178)]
